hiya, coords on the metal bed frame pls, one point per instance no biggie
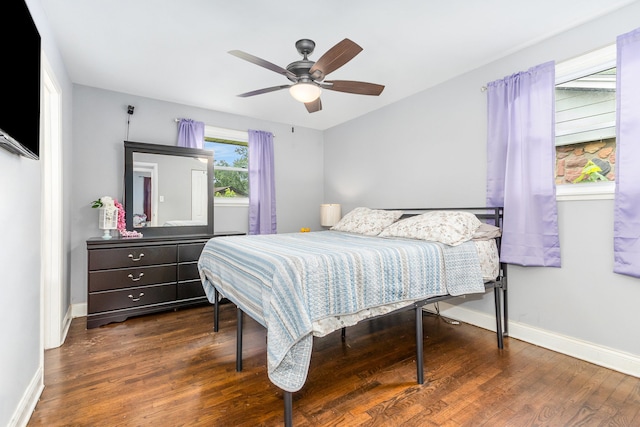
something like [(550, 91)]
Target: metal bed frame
[(499, 286)]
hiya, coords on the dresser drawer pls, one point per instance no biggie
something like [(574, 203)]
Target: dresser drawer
[(188, 271), (190, 289), (190, 252), (105, 280), (102, 259), (130, 298)]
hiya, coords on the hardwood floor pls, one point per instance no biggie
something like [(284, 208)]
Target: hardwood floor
[(171, 369)]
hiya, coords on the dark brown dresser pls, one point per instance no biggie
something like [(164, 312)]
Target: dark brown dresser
[(131, 277)]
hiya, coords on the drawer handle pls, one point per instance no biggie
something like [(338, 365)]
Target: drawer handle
[(136, 299), (136, 259), (137, 278)]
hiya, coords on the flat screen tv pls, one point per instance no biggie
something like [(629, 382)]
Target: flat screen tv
[(20, 77)]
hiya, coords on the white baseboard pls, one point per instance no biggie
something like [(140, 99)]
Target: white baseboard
[(79, 310), (603, 356), (29, 400)]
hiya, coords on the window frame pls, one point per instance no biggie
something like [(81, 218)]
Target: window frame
[(592, 62), (232, 136)]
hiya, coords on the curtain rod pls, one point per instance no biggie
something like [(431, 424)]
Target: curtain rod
[(235, 130)]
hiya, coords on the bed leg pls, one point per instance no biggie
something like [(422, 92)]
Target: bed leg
[(216, 310), (239, 342), (288, 409), (419, 346), (505, 311), (496, 294), (343, 334)]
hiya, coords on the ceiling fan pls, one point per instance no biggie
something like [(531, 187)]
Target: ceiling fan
[(308, 76)]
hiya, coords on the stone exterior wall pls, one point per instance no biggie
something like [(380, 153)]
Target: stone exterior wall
[(570, 159)]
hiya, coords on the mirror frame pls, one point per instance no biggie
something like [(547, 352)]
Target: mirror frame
[(130, 148)]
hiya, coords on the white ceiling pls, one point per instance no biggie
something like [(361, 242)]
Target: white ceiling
[(177, 50)]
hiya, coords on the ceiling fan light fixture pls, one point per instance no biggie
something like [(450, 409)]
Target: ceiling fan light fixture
[(305, 92)]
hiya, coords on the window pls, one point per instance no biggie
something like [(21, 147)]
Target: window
[(586, 125), (230, 165)]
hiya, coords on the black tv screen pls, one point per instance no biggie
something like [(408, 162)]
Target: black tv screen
[(20, 77)]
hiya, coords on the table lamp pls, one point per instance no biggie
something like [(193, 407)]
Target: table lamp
[(330, 214)]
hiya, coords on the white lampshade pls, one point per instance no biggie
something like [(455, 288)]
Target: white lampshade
[(330, 214), (305, 92)]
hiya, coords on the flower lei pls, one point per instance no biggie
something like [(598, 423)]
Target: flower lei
[(122, 224)]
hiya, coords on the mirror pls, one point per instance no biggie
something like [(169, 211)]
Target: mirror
[(168, 190)]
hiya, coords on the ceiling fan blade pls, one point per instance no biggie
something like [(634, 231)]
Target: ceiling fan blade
[(261, 91), (314, 106), (360, 88), (263, 63), (334, 58)]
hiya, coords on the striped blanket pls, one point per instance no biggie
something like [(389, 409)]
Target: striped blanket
[(289, 282)]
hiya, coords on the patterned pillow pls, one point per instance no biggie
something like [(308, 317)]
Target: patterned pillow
[(449, 227), (487, 232), (369, 222)]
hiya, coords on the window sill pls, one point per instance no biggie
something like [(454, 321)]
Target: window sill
[(591, 191), (230, 202)]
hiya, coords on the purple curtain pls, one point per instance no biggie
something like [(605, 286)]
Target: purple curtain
[(262, 190), (520, 165), (626, 226), (190, 133)]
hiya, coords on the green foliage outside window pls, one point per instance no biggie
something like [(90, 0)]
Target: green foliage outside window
[(227, 193), (236, 182)]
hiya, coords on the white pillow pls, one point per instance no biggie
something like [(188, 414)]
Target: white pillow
[(448, 227), (369, 222)]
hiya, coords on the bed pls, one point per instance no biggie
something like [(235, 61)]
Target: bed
[(372, 263)]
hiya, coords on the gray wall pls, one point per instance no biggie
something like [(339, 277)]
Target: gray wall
[(20, 279), (429, 151), (100, 127)]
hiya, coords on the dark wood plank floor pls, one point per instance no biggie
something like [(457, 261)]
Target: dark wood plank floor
[(171, 369)]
